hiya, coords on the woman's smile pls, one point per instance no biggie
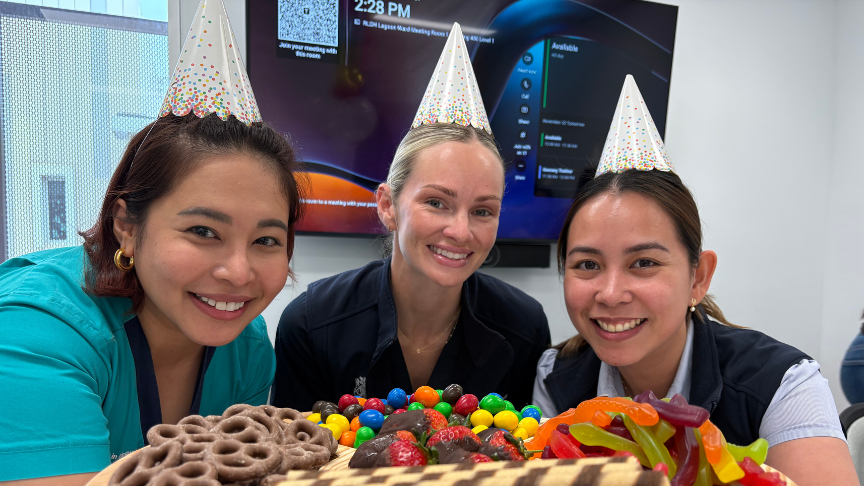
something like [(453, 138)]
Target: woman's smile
[(450, 256), (221, 306)]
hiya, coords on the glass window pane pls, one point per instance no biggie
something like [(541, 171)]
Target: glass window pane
[(74, 87)]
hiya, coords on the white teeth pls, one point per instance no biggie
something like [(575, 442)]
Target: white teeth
[(449, 254), (226, 306), (619, 327)]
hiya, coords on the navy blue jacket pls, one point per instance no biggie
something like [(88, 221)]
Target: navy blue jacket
[(340, 337), (734, 376)]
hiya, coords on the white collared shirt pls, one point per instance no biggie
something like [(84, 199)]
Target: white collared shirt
[(802, 406)]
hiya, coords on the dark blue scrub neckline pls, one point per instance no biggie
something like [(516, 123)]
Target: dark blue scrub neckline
[(150, 410)]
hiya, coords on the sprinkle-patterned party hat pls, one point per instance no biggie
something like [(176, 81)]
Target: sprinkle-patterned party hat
[(210, 76), (452, 95), (633, 141)]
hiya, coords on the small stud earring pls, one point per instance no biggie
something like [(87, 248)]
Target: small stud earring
[(693, 305)]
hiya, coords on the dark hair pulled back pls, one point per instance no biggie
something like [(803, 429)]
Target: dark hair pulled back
[(160, 156), (670, 193)]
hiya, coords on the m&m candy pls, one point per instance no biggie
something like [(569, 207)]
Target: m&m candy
[(334, 429), (427, 396), (416, 406), (340, 421), (444, 408), (397, 398), (345, 401), (372, 419), (532, 411), (493, 403), (506, 420), (347, 438), (466, 404), (374, 404), (363, 434), (482, 417)]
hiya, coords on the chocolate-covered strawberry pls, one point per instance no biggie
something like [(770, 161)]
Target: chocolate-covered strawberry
[(502, 446), (419, 422), (459, 436), (367, 454), (402, 453)]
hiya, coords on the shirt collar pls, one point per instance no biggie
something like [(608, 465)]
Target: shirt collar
[(610, 384)]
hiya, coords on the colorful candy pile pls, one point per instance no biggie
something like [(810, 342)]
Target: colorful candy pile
[(355, 420), (665, 435), (422, 437)]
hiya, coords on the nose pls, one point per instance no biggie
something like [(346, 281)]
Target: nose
[(235, 268), (459, 228), (613, 289)]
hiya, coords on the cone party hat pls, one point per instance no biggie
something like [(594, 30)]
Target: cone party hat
[(633, 141), (210, 76), (452, 95)]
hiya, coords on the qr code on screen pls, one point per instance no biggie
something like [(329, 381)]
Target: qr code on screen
[(309, 21)]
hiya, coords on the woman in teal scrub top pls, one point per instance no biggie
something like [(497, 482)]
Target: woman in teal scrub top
[(156, 316)]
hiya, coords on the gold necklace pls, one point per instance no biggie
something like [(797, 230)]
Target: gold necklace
[(452, 330)]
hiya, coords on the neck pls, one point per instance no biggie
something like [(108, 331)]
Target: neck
[(424, 309), (169, 346), (656, 372)]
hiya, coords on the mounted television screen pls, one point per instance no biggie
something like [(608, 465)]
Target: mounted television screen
[(345, 77)]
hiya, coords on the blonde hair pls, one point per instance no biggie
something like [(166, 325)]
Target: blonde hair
[(421, 138)]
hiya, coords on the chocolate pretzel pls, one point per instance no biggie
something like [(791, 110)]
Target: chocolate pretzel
[(189, 474), (242, 429), (302, 456), (159, 434), (274, 430), (196, 445), (139, 469), (301, 431), (198, 420), (236, 461), (283, 415)]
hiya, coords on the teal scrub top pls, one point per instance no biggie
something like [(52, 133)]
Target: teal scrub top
[(68, 391)]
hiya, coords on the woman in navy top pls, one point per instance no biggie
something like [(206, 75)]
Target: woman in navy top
[(422, 316)]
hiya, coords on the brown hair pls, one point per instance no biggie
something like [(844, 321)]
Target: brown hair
[(667, 190), (163, 153)]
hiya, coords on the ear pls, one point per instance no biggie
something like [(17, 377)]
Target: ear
[(386, 208), (704, 273), (124, 231)]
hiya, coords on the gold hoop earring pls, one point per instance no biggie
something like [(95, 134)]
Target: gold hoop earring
[(119, 263), (693, 305)]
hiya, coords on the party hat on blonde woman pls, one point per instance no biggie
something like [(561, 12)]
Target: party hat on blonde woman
[(633, 141), (452, 95), (210, 76)]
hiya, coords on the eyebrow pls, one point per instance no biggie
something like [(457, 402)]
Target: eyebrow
[(207, 213), (452, 193), (646, 246), (221, 217), (272, 223), (633, 249)]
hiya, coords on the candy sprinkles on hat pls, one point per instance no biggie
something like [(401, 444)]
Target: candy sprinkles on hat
[(633, 141), (452, 95), (210, 76)]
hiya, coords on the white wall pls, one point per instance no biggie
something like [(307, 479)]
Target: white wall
[(843, 292), (763, 120)]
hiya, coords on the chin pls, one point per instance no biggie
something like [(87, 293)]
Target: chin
[(222, 335)]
